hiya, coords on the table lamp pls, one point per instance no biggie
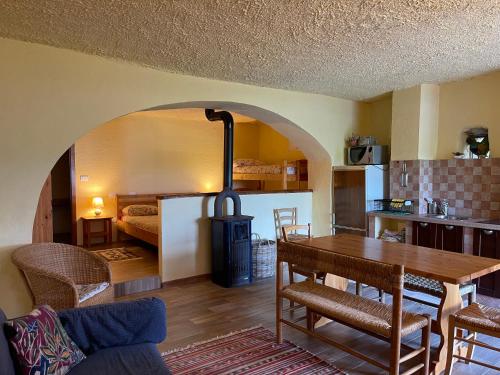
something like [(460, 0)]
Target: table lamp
[(98, 205)]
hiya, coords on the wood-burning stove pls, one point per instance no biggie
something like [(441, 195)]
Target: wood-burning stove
[(231, 234)]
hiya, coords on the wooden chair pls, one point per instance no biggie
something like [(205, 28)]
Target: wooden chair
[(284, 216), (476, 319), (386, 322), (64, 276)]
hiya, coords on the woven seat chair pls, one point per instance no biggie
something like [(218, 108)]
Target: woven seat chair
[(476, 319), (434, 288), (64, 276)]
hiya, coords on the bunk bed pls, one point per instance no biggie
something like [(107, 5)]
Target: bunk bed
[(256, 170)]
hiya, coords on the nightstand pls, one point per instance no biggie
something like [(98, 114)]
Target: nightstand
[(89, 229)]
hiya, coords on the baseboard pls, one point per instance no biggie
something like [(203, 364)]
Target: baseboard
[(187, 280), (136, 286)]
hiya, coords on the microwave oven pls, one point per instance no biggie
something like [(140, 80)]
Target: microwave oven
[(365, 155)]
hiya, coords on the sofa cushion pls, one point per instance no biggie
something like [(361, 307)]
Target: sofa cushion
[(140, 359), (122, 323), (7, 366), (41, 344)]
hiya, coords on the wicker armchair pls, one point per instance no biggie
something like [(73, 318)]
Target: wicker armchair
[(64, 276)]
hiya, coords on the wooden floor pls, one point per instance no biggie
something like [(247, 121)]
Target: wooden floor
[(133, 269), (201, 310)]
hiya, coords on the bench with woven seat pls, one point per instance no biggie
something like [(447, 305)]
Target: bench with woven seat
[(290, 233), (476, 319), (387, 322)]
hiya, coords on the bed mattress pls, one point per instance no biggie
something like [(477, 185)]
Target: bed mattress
[(147, 223)]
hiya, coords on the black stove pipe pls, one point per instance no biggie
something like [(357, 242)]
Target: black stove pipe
[(228, 143), (227, 191)]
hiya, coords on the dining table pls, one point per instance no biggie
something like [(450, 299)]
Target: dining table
[(449, 268)]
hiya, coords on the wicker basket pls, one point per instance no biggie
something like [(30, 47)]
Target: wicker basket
[(263, 257)]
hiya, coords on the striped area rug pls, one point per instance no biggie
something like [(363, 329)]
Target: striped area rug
[(252, 351)]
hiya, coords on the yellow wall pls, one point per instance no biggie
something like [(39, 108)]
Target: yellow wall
[(50, 97), (405, 124), (247, 140), (147, 152), (465, 104), (377, 120), (428, 122), (274, 148)]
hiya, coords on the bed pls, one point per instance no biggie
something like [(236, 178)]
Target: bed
[(143, 227), (256, 170)]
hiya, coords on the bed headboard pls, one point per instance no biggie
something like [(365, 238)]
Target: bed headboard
[(123, 201)]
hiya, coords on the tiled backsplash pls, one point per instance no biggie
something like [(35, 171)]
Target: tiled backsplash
[(472, 186)]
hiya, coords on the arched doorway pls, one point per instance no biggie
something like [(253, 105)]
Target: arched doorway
[(319, 160)]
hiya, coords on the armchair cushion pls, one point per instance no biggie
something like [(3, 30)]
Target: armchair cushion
[(124, 323), (87, 291)]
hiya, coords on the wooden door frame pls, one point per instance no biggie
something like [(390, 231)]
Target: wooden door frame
[(72, 177)]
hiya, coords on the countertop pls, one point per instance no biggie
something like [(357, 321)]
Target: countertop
[(488, 224), (240, 192)]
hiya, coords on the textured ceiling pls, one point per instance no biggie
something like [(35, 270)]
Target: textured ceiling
[(355, 49)]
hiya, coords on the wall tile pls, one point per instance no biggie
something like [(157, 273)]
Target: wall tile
[(472, 186)]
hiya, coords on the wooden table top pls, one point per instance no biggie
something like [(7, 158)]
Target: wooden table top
[(439, 265), (96, 217)]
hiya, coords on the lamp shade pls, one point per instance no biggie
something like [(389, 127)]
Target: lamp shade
[(97, 202)]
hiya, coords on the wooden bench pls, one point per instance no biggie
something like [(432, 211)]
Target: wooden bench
[(386, 322)]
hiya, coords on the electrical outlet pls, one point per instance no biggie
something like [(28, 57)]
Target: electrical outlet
[(84, 178)]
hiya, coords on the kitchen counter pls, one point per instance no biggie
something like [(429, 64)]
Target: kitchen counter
[(488, 224)]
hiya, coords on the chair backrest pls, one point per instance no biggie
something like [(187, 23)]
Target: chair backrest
[(287, 229), (67, 260), (384, 276), (284, 216)]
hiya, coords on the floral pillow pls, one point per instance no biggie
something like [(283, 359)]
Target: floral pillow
[(140, 210), (42, 345)]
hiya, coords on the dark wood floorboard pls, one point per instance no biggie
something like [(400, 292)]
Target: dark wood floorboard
[(201, 310)]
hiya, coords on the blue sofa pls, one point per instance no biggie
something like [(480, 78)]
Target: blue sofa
[(118, 338)]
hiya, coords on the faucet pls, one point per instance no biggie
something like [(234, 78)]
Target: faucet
[(443, 207)]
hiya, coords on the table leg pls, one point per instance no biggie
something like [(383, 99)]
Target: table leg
[(109, 232), (85, 234), (450, 304), (334, 282)]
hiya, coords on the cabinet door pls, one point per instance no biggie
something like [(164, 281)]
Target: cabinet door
[(424, 234), (487, 244), (450, 238)]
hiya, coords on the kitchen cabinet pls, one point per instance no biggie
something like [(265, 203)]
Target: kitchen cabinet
[(450, 238), (424, 234), (487, 244)]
